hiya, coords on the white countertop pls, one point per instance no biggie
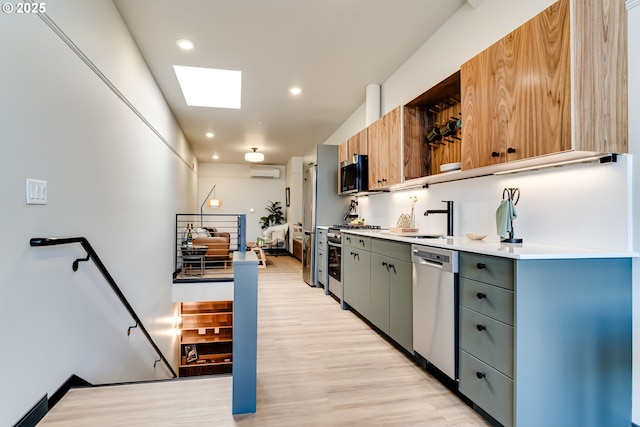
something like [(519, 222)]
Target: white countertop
[(493, 246)]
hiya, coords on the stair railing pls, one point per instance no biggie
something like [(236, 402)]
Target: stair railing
[(91, 254)]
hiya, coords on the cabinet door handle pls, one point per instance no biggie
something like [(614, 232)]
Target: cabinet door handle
[(384, 264), (495, 154), (481, 265), (481, 328), (511, 150), (481, 295), (384, 180), (392, 267), (362, 241), (480, 375)]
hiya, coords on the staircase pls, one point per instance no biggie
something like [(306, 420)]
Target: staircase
[(202, 401)]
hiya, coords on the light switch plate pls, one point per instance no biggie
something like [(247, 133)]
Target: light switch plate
[(36, 192)]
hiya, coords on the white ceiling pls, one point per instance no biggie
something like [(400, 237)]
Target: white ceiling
[(332, 49)]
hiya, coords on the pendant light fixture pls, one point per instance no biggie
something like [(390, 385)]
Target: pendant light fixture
[(254, 156)]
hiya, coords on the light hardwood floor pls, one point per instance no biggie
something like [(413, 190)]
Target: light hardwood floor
[(317, 366)]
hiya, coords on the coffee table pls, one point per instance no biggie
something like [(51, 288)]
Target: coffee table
[(262, 261)]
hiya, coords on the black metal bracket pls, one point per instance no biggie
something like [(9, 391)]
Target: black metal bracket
[(131, 327), (613, 158), (79, 260), (155, 362)]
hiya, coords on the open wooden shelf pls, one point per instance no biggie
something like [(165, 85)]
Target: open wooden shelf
[(207, 330)]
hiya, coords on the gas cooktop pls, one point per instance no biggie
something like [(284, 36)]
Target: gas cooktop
[(355, 227)]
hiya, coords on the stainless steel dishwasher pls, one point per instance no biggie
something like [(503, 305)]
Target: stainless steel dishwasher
[(435, 280)]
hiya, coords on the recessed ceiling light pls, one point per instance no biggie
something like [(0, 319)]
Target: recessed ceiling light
[(295, 91), (209, 134), (209, 87), (215, 157), (185, 44)]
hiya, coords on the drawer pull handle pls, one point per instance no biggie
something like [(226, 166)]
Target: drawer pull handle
[(480, 375), (481, 265), (481, 295), (481, 328)]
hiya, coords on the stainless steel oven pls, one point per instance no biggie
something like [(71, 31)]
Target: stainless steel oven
[(334, 258), (334, 243)]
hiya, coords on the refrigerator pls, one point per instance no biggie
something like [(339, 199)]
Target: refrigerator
[(322, 206)]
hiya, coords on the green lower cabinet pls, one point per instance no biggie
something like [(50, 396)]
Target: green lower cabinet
[(401, 304), (377, 280), (380, 292), (491, 390), (356, 279)]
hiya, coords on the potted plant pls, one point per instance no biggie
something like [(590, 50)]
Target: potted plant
[(275, 217)]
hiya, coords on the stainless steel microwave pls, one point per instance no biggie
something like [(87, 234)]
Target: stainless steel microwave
[(354, 174)]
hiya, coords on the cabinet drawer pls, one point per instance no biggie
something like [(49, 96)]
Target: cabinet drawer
[(397, 250), (487, 388), (488, 269), (486, 299), (322, 258), (360, 242), (487, 339), (322, 234), (322, 276)]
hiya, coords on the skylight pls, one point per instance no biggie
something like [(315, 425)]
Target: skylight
[(209, 87)]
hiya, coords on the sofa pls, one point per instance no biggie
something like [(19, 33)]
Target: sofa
[(218, 247)]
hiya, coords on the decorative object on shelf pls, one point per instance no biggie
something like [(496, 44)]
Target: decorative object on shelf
[(407, 222), (412, 221), (404, 221), (506, 213), (253, 156), (472, 236), (447, 167), (191, 353), (189, 235)]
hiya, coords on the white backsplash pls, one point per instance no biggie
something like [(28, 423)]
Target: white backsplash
[(585, 205)]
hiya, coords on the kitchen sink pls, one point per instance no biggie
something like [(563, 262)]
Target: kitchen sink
[(428, 236)]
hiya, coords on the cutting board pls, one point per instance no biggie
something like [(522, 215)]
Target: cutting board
[(399, 230)]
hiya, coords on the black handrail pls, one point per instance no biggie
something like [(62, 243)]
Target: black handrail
[(91, 254)]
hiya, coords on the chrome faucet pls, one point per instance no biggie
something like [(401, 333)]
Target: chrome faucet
[(448, 211)]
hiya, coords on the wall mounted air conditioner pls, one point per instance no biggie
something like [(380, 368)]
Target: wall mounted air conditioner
[(264, 172)]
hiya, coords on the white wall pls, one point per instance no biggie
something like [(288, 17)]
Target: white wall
[(240, 193), (110, 178), (567, 206)]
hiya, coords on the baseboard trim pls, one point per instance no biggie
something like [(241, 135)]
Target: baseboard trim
[(35, 414), (71, 382)]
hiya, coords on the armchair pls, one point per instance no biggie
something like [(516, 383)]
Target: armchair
[(276, 237)]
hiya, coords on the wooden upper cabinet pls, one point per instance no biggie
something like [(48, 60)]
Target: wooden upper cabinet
[(383, 146), (343, 153), (519, 95), (516, 95), (600, 75)]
